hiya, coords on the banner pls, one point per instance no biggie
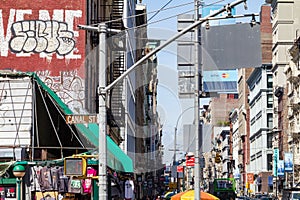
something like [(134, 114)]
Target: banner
[(288, 162), (275, 160), (280, 170)]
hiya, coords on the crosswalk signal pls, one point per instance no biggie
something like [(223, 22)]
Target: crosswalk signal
[(218, 158), (75, 166)]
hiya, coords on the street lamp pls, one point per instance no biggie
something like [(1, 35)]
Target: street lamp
[(175, 141), (19, 172)]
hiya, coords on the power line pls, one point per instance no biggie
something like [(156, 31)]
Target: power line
[(160, 10), (147, 13)]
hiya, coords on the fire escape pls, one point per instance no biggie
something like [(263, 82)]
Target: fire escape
[(116, 64), (116, 110)]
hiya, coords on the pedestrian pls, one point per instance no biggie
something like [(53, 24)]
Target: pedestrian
[(129, 189)]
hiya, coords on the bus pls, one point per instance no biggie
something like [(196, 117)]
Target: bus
[(224, 188)]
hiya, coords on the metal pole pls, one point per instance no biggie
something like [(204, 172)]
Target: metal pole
[(174, 161), (175, 140), (19, 180), (197, 90), (102, 113), (293, 182)]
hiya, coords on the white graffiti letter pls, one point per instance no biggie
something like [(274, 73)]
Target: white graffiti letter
[(5, 39), (41, 40), (66, 41), (19, 37), (29, 29)]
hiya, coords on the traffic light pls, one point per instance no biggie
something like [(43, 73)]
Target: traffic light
[(218, 158), (75, 166)]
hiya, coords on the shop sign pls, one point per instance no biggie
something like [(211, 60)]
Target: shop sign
[(7, 192)]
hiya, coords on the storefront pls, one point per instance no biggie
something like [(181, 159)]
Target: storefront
[(53, 140)]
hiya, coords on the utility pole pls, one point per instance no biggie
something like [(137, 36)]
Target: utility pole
[(198, 89), (102, 156)]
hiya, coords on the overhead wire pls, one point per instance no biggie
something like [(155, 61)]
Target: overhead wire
[(166, 18), (164, 9), (160, 10), (147, 13)]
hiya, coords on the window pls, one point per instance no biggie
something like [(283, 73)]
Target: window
[(252, 157), (258, 115), (252, 121), (269, 140), (270, 120), (269, 162), (270, 81), (269, 100), (251, 87)]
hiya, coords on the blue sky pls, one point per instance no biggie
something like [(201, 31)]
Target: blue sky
[(163, 26)]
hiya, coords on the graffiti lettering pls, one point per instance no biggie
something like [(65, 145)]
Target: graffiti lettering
[(41, 36), (34, 41)]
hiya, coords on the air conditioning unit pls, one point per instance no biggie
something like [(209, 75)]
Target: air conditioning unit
[(278, 91)]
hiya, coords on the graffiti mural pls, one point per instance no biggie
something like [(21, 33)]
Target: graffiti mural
[(42, 37), (38, 36), (68, 86)]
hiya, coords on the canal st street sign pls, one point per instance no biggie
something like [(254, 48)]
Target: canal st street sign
[(81, 119)]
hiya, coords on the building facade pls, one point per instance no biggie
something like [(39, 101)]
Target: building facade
[(285, 35), (261, 124)]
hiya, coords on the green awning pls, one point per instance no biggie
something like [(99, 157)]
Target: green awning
[(116, 158)]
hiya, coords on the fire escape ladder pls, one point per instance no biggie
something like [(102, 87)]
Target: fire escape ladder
[(117, 107), (117, 14)]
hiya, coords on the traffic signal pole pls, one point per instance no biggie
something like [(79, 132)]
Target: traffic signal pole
[(102, 155)]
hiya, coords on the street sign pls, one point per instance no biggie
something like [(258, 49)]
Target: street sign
[(190, 161), (81, 119)]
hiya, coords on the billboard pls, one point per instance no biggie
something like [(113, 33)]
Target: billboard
[(223, 47), (42, 37), (231, 47), (220, 81), (210, 9)]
